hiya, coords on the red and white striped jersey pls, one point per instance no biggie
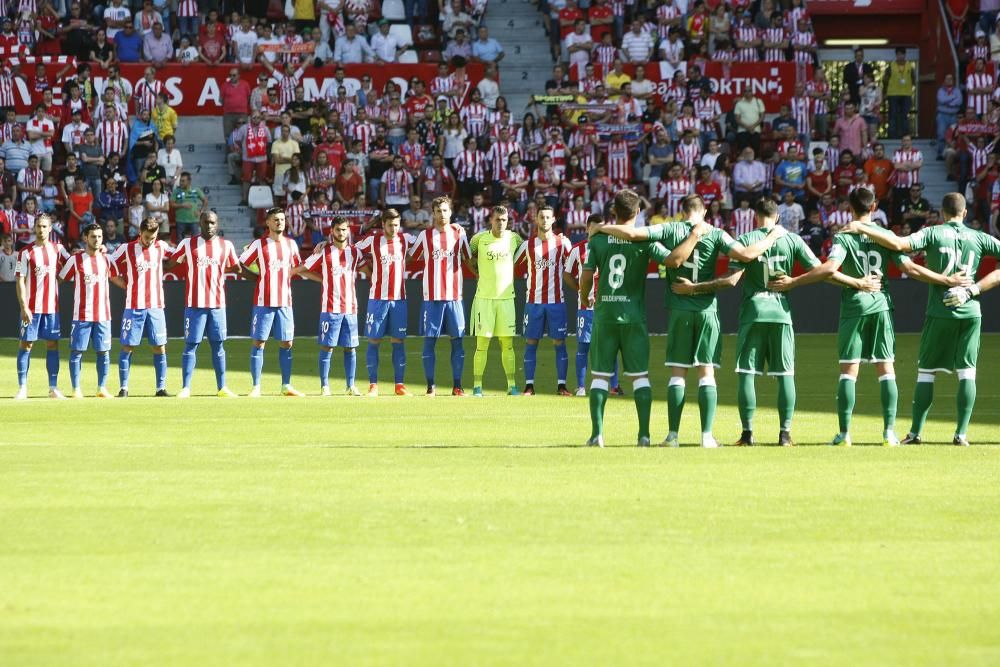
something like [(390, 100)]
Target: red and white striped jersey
[(802, 112), (471, 166), (604, 56), (90, 292), (387, 257), (6, 88), (473, 117), (442, 252), (688, 154), (320, 175), (746, 33), (979, 102), (441, 85), (627, 108), (498, 155), (187, 8), (685, 123), (577, 219), (546, 259), (707, 109), (112, 136), (574, 266), (518, 174), (979, 156), (557, 151), (295, 219), (905, 179), (346, 108), (818, 88), (793, 16), (619, 161), (286, 85), (339, 267), (785, 144), (206, 264), (773, 36), (275, 260), (145, 94), (666, 13), (807, 39), (979, 51), (672, 193), (40, 265), (832, 157), (480, 217), (365, 133), (839, 218), (142, 269), (743, 221)]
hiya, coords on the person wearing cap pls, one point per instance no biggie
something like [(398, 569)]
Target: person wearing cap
[(385, 45), (854, 74)]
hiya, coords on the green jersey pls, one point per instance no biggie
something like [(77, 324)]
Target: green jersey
[(858, 256), (495, 263), (950, 248), (621, 277), (760, 305), (699, 267)]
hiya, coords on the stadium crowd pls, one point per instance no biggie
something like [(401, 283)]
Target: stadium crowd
[(106, 152)]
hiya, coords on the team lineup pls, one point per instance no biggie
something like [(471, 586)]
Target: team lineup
[(608, 271)]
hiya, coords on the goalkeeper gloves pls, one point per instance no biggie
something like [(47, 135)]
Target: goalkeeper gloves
[(956, 296)]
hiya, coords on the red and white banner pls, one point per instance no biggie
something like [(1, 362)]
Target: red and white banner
[(774, 83), (194, 89), (841, 7)]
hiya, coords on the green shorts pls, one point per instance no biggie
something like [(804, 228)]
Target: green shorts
[(694, 339), (607, 340), (765, 343), (493, 317), (867, 339), (948, 345)]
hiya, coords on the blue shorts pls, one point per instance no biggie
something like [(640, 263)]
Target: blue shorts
[(148, 321), (264, 317), (584, 325), (199, 321), (338, 330), (82, 334), (386, 317), (445, 318), (541, 318), (44, 326)]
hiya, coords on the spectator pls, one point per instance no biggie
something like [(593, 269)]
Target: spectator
[(116, 17), (112, 239), (352, 48), (157, 47), (128, 45), (790, 176), (385, 46), (458, 47), (900, 83), (235, 101), (637, 44), (871, 104), (282, 152), (164, 117), (843, 173), (906, 162), (819, 181), (749, 114), (188, 203), (879, 172), (790, 213), (68, 177), (144, 141), (170, 160), (151, 172), (416, 217), (243, 44), (81, 209), (396, 186), (146, 19), (852, 130), (102, 50), (486, 49), (8, 258), (578, 44), (40, 130), (91, 160), (78, 33), (350, 186), (16, 150), (949, 101), (454, 18), (914, 210), (749, 176), (211, 40), (854, 75)]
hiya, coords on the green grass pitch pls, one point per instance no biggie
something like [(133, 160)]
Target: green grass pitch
[(449, 531)]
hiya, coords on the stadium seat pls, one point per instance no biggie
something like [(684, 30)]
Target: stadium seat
[(393, 10), (261, 196), (430, 56), (409, 57), (402, 33)]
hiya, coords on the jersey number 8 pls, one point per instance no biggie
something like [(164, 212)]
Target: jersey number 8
[(616, 272)]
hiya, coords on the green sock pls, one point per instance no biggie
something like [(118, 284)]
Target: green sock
[(923, 397), (845, 401), (642, 394), (890, 398), (675, 404), (746, 399), (507, 359), (786, 401), (479, 360), (598, 397), (708, 399), (966, 400)]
